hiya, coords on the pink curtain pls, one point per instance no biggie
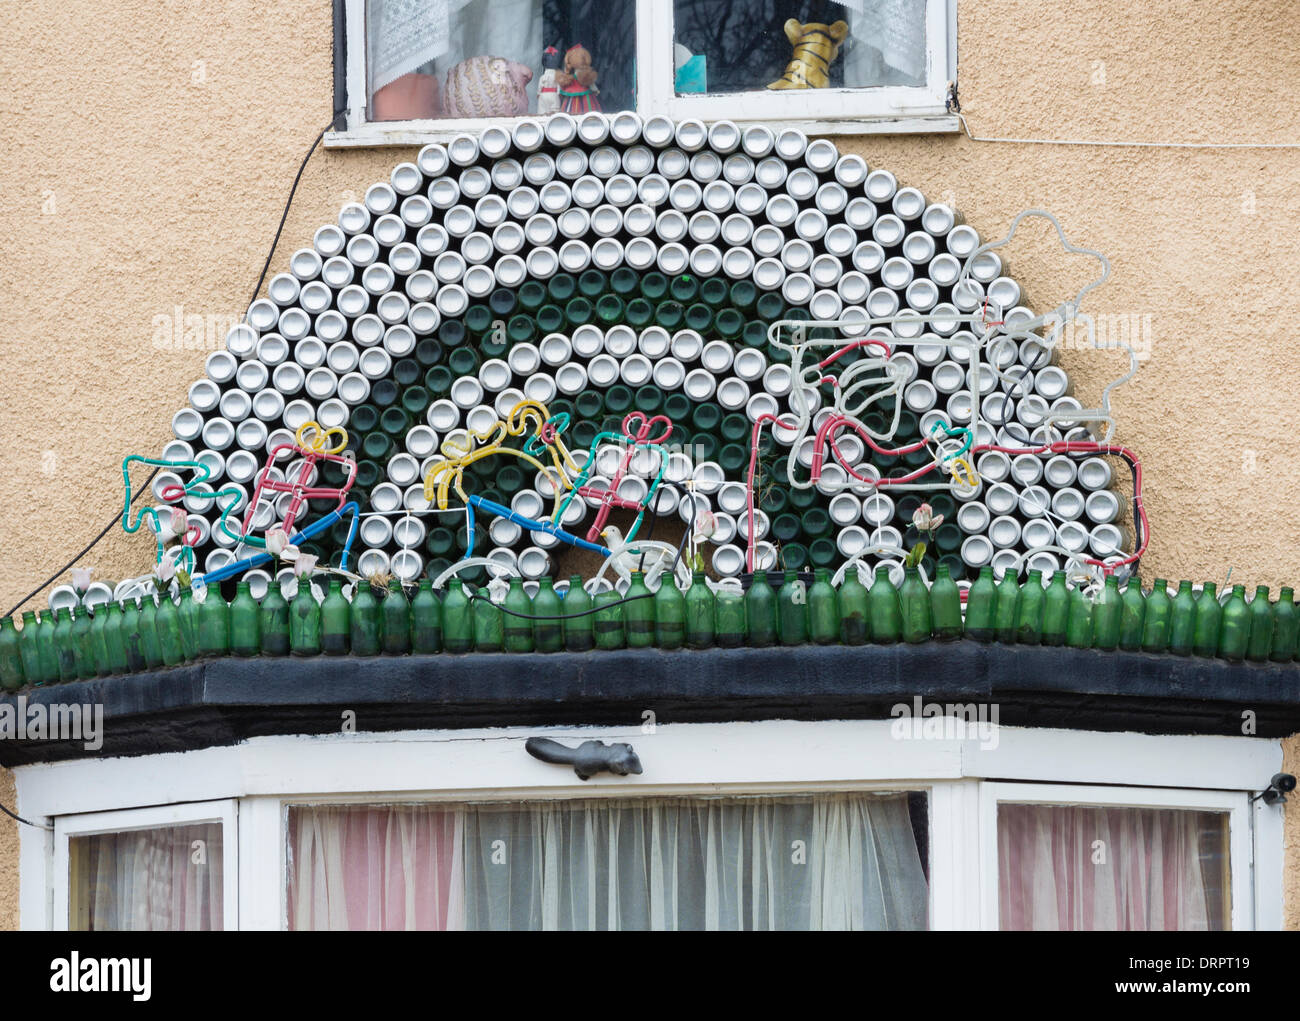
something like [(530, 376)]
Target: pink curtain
[(1092, 868), (166, 879), (375, 868)]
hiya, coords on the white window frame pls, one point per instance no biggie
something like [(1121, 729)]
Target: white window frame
[(881, 110), (224, 812), (256, 780)]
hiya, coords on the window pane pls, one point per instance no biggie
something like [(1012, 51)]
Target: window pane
[(165, 879), (744, 45), (486, 58), (1091, 868)]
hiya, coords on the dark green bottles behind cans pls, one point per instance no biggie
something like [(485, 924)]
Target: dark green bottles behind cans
[(670, 613), (608, 619), (426, 620), (548, 614), (945, 605), (367, 623), (1261, 626), (579, 634), (457, 618), (245, 623), (854, 609), (1056, 610), (335, 619), (1132, 616), (214, 623), (1182, 620), (1286, 627), (1209, 620), (397, 620), (981, 607), (1234, 626), (304, 622), (886, 608), (1159, 612), (639, 614), (273, 621), (760, 612), (699, 612), (823, 608), (918, 617), (792, 610), (12, 674)]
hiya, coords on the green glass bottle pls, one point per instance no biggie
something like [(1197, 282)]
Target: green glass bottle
[(66, 644), (1261, 626), (792, 610), (84, 646), (824, 608), (1004, 617), (457, 618), (945, 605), (366, 624), (245, 623), (489, 623), (113, 638), (1106, 614), (670, 613), (304, 622), (548, 614), (981, 606), (131, 635), (1159, 611), (639, 614), (1209, 620), (99, 640), (1182, 620), (273, 622), (335, 619), (728, 618), (148, 625), (1078, 629), (699, 613), (854, 609), (48, 648), (214, 624), (918, 617), (396, 612), (1029, 609), (1234, 626), (760, 612), (1132, 616), (29, 648), (1286, 627), (12, 674), (579, 635), (518, 608), (886, 608), (189, 618), (167, 626), (426, 620), (1056, 610), (608, 620)]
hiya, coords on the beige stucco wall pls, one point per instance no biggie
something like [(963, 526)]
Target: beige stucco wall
[(149, 147)]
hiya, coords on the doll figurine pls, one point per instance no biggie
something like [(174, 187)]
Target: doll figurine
[(548, 90), (577, 82), (815, 48)]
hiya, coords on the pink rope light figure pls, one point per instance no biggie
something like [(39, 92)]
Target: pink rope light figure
[(609, 498), (310, 443)]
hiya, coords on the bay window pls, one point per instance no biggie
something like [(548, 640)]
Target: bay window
[(418, 70)]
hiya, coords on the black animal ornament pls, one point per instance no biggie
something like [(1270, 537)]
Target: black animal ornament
[(589, 758)]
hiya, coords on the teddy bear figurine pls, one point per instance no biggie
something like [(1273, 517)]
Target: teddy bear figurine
[(577, 82)]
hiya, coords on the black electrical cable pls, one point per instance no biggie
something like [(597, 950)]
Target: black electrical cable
[(33, 825), (285, 215)]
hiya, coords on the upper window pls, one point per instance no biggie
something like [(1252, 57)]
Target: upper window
[(417, 68)]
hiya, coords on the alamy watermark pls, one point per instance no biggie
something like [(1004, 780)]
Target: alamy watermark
[(920, 720), (179, 330), (53, 721)]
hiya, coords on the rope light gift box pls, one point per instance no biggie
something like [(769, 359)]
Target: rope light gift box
[(531, 347)]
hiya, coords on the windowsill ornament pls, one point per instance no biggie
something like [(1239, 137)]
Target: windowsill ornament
[(487, 87), (577, 82), (815, 48), (548, 89)]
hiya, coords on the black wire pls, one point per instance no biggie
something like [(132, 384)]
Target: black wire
[(285, 215), (33, 825)]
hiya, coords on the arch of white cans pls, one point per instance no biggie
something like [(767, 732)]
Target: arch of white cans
[(791, 214)]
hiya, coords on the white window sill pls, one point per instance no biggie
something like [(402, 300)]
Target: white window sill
[(408, 133)]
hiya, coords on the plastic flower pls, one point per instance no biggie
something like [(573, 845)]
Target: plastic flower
[(303, 563), (925, 520), (278, 545), (81, 578), (705, 525)]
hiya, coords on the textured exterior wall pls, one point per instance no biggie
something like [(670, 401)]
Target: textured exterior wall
[(150, 147)]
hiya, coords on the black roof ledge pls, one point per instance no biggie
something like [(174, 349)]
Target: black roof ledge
[(223, 701)]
